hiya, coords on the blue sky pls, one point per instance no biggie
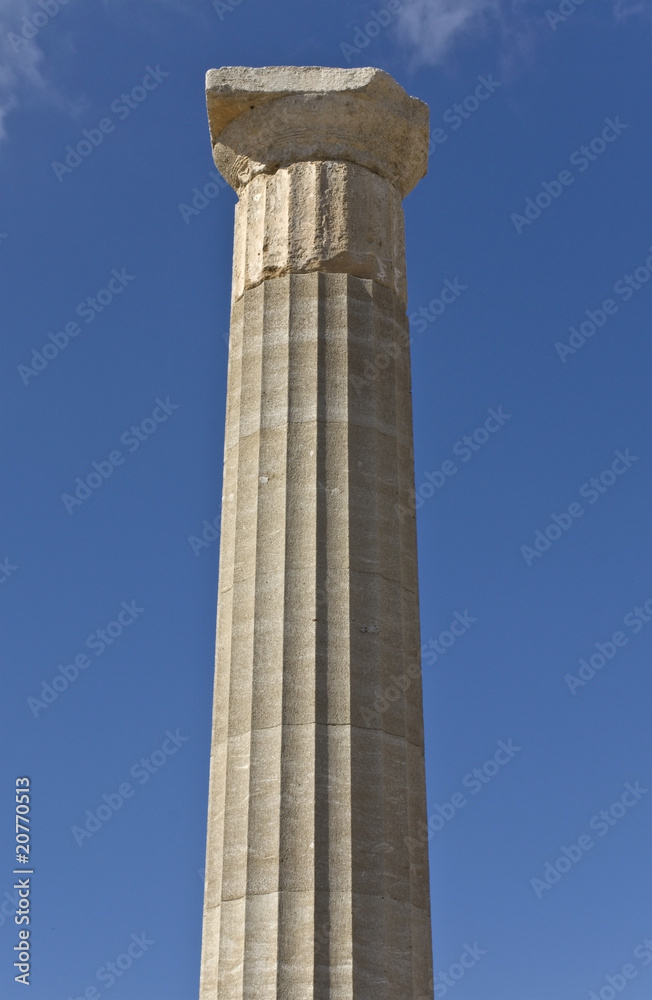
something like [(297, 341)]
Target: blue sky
[(534, 530)]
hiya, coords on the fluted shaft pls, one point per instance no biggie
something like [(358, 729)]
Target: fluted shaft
[(317, 868), (326, 216)]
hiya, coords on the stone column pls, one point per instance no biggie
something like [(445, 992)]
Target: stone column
[(317, 856)]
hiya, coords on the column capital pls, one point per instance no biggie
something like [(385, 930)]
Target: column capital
[(264, 119)]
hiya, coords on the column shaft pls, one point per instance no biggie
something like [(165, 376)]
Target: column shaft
[(317, 863)]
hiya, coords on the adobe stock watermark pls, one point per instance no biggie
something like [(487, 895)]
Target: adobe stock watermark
[(450, 292), (378, 21), (110, 972), (8, 907), (581, 158), (201, 199), (35, 22), (602, 823), (113, 801), (617, 982), (121, 107), (625, 287), (87, 310), (7, 569), (634, 620), (224, 7), (434, 648), (592, 490), (475, 780), (444, 981), (464, 449), (132, 439), (430, 652), (461, 111), (98, 642), (210, 533), (563, 12)]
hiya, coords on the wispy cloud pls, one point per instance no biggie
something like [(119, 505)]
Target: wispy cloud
[(432, 29), (20, 61), (24, 67), (23, 77)]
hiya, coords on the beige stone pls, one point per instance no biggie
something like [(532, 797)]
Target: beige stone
[(324, 216), (269, 117), (317, 866)]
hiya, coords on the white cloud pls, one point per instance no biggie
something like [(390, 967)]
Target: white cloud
[(23, 80), (432, 28), (20, 60)]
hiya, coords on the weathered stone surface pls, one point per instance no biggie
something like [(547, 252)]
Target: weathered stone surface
[(317, 864), (324, 216), (262, 119)]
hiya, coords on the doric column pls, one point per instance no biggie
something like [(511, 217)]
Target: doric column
[(317, 865)]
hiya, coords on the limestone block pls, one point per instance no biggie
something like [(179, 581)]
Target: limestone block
[(262, 119), (319, 216)]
